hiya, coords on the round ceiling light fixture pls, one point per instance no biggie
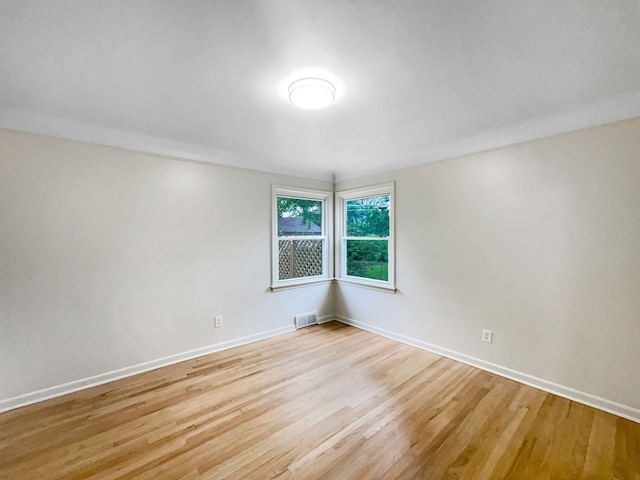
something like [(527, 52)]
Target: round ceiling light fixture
[(312, 93)]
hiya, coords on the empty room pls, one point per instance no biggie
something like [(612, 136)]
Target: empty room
[(336, 239)]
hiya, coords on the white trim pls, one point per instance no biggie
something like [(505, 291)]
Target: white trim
[(624, 411), (372, 286), (588, 399), (601, 112), (76, 385), (327, 235), (309, 282), (368, 191), (325, 319), (298, 282), (341, 237)]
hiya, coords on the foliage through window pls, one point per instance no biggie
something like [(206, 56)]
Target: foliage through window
[(301, 237), (366, 239)]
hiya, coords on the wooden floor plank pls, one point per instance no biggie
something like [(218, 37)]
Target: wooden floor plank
[(325, 402)]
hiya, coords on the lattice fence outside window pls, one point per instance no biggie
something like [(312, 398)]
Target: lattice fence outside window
[(300, 258)]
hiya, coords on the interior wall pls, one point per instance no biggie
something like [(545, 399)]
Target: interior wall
[(539, 242), (110, 258)]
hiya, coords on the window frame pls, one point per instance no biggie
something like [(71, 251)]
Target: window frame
[(326, 236), (341, 238)]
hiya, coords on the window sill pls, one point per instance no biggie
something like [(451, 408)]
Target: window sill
[(370, 286), (307, 283)]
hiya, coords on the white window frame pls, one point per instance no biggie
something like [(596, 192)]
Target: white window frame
[(326, 236), (341, 239)]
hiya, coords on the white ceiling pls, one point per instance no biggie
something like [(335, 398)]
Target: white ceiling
[(417, 80)]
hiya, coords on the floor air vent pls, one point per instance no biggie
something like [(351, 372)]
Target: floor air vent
[(306, 319)]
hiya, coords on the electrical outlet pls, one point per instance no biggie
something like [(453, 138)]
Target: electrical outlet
[(487, 336), (217, 322)]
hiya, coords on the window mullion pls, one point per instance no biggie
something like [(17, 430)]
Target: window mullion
[(302, 237), (367, 238)]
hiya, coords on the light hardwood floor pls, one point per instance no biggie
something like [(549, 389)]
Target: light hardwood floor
[(325, 402)]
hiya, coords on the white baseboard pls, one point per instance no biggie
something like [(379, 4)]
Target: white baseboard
[(74, 386), (325, 319), (600, 403), (624, 411)]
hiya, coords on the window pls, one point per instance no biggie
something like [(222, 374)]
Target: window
[(301, 237), (364, 219)]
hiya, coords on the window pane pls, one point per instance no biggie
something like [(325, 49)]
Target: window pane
[(299, 216), (368, 217), (368, 259), (300, 258)]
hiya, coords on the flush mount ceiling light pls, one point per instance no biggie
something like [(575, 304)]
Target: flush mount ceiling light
[(312, 93)]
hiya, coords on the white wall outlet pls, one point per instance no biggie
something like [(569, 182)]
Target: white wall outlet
[(487, 336), (217, 322)]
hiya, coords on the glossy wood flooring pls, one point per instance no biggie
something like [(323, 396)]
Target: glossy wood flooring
[(325, 402)]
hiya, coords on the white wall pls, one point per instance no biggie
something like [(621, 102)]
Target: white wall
[(110, 258), (539, 242)]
